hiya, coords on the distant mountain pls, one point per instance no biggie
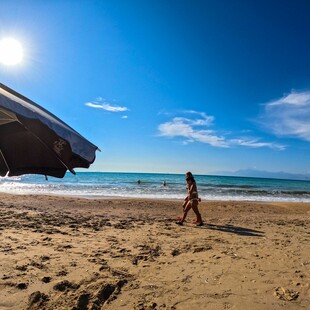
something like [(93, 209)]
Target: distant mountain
[(265, 174)]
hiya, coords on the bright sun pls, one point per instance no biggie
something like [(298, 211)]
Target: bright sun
[(11, 52)]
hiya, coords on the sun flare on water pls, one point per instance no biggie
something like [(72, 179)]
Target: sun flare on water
[(11, 52)]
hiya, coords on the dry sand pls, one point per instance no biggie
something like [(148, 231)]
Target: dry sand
[(72, 253)]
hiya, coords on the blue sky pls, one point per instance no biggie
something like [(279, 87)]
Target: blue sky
[(171, 86)]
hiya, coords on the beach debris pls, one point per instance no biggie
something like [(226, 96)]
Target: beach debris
[(285, 294)]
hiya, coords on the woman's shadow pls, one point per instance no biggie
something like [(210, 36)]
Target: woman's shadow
[(242, 231)]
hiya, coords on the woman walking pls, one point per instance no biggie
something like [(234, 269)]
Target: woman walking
[(191, 201)]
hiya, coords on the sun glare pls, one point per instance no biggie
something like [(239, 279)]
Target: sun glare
[(11, 52)]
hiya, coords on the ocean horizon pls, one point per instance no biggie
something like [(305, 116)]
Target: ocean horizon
[(151, 185)]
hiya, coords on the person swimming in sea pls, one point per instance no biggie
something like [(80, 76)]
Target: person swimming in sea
[(191, 201)]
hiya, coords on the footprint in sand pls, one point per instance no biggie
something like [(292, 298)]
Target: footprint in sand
[(64, 285), (22, 286), (46, 279), (36, 300)]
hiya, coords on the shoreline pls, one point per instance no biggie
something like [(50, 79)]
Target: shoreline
[(60, 252), (204, 200), (125, 185)]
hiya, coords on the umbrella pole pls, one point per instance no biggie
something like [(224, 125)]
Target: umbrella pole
[(7, 166)]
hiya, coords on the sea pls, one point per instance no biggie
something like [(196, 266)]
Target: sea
[(151, 185)]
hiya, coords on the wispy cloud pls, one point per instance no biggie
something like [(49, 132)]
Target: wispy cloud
[(106, 106), (196, 128), (288, 116), (255, 143)]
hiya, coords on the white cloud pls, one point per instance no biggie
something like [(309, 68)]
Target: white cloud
[(125, 116), (106, 106), (198, 130), (184, 127), (176, 128), (288, 116)]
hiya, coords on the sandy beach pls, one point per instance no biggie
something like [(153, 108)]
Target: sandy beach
[(73, 253)]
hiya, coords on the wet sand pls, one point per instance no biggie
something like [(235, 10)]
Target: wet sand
[(72, 253)]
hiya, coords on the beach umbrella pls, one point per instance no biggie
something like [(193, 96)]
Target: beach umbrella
[(34, 141)]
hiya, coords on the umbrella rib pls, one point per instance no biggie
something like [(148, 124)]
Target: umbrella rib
[(71, 170), (6, 163)]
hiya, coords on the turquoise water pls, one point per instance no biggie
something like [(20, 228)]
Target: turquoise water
[(101, 184)]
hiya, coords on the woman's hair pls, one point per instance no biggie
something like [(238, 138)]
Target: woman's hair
[(189, 176)]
